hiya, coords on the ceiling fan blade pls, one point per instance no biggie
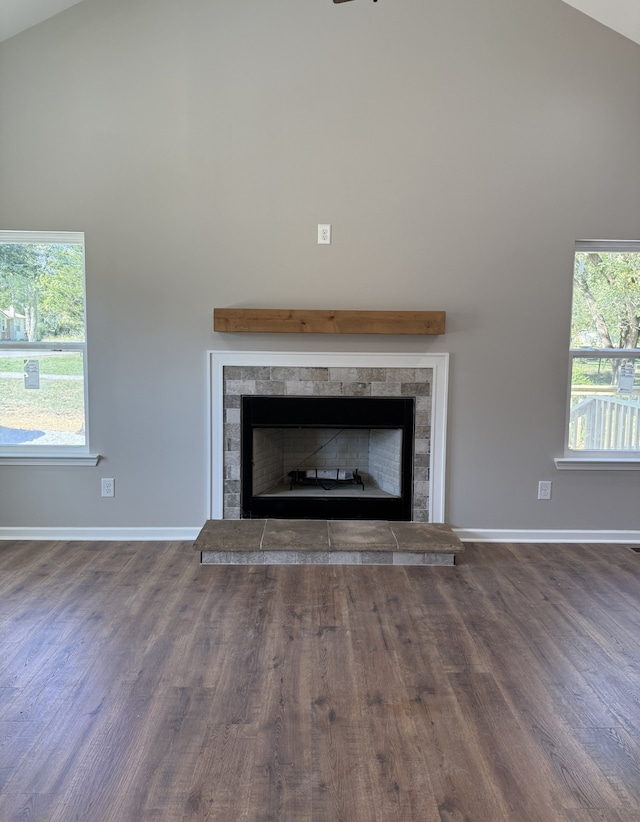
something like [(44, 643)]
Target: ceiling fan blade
[(340, 1)]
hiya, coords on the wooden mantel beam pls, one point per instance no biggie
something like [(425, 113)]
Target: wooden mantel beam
[(285, 321)]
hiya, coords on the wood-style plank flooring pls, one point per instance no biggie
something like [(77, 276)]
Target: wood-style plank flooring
[(137, 685)]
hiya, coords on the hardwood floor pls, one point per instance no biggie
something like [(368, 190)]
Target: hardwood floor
[(137, 685)]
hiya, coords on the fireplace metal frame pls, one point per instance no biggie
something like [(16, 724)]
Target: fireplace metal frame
[(337, 412)]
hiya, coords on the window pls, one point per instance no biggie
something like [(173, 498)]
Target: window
[(43, 367), (604, 398)]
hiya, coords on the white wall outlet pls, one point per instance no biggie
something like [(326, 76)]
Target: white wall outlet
[(544, 489), (108, 487), (324, 233)]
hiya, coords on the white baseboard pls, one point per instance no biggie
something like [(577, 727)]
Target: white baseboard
[(187, 534), (518, 535), (102, 534)]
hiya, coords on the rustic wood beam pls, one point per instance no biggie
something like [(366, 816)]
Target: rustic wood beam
[(285, 321)]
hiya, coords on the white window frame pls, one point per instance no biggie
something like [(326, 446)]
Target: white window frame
[(51, 454), (608, 460)]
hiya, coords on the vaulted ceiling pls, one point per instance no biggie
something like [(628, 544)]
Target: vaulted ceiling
[(622, 16), (18, 15)]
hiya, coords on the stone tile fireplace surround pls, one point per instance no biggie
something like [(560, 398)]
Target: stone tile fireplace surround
[(423, 377)]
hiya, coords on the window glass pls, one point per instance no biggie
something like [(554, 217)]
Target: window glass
[(42, 341), (604, 407)]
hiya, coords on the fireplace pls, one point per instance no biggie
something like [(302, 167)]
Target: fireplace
[(327, 457), (418, 381)]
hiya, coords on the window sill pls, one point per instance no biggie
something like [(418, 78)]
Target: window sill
[(86, 460), (598, 463)]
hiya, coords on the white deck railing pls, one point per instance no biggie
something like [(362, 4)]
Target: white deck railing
[(605, 423)]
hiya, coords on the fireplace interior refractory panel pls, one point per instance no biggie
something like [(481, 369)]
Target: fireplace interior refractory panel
[(285, 381), (331, 459)]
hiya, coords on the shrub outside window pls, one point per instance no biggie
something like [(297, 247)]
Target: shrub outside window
[(604, 397), (43, 366)]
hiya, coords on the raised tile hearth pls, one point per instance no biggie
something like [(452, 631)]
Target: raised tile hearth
[(326, 542)]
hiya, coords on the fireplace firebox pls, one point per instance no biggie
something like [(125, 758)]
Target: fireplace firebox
[(327, 457)]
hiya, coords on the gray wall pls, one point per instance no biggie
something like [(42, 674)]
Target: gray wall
[(458, 148)]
